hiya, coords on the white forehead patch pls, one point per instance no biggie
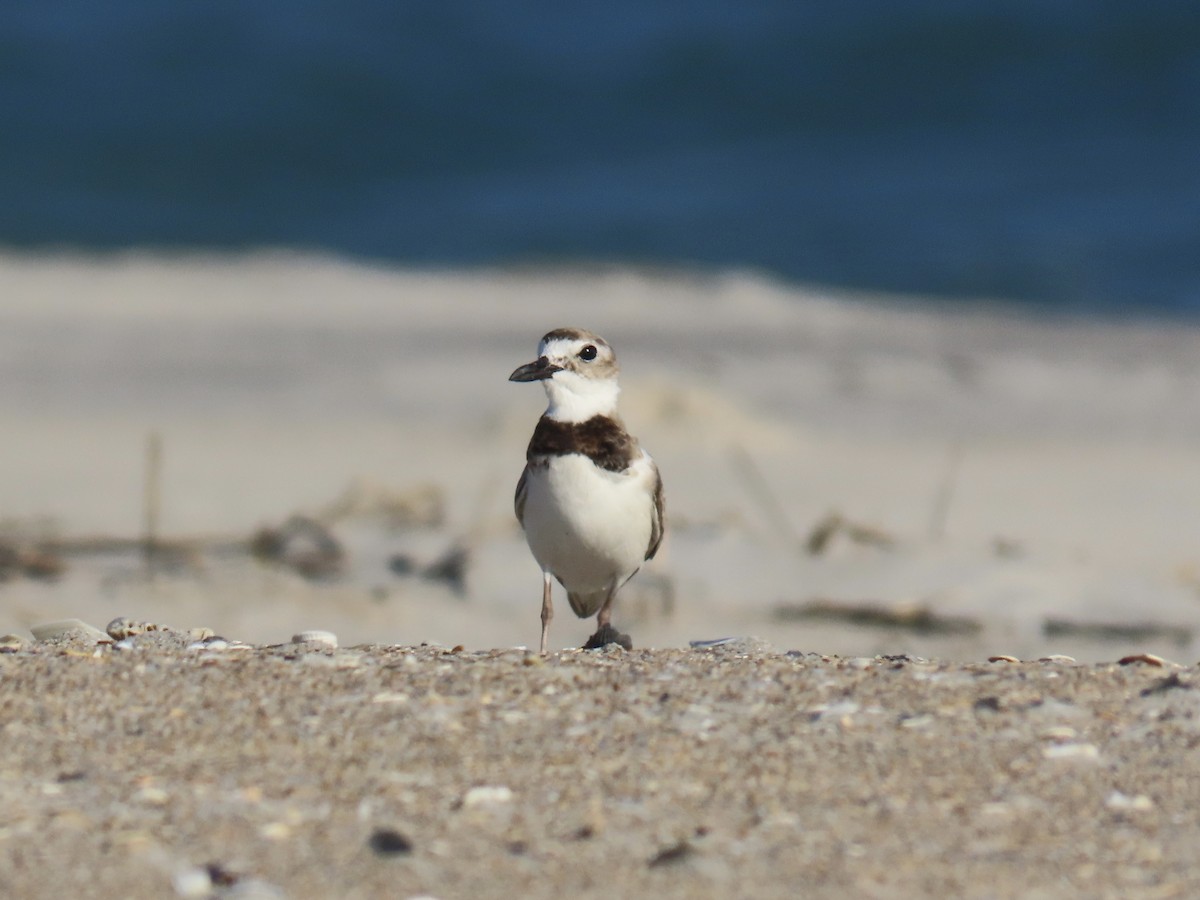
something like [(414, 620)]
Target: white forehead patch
[(561, 347)]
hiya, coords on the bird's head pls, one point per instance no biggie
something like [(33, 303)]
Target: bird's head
[(579, 371)]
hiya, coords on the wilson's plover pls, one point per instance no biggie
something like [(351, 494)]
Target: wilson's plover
[(590, 499)]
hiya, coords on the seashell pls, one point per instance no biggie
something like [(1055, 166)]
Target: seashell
[(1071, 751), (487, 795), (1148, 658), (1003, 657), (1059, 733), (325, 638), (713, 642), (48, 631), (121, 627), (212, 642), (1057, 658), (10, 643), (745, 645)]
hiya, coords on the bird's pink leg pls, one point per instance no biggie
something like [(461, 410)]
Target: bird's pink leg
[(605, 615), (547, 610), (605, 633)]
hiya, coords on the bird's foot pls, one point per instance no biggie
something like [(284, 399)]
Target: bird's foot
[(606, 635)]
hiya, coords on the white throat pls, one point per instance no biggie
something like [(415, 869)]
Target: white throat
[(574, 398)]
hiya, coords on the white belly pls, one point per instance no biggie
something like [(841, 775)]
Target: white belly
[(588, 527)]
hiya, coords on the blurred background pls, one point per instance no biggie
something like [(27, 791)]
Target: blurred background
[(897, 289), (1039, 151)]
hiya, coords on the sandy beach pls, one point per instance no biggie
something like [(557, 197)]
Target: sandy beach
[(304, 772), (1019, 487), (875, 495)]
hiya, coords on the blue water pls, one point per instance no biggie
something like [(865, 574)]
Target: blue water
[(1044, 151)]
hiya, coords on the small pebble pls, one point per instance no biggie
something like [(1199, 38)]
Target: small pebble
[(672, 855), (326, 638), (389, 842), (154, 796), (1003, 657), (1057, 658), (1125, 803), (221, 876), (11, 642), (192, 883)]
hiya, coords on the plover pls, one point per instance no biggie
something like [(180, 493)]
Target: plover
[(590, 499)]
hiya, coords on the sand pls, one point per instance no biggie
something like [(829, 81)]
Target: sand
[(1023, 473), (400, 772), (977, 484)]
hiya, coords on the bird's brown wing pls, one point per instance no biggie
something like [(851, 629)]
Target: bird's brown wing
[(519, 498), (658, 521)]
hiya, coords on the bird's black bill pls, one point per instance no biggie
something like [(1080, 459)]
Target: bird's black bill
[(538, 370)]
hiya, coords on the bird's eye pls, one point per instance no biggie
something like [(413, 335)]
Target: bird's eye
[(588, 353)]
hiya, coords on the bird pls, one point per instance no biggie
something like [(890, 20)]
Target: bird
[(590, 499)]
